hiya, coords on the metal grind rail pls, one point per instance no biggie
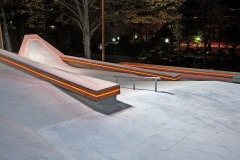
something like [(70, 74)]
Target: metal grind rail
[(139, 77)]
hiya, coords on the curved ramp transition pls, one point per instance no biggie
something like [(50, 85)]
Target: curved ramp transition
[(37, 49)]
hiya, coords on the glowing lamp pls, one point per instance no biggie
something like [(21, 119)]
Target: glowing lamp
[(166, 40)]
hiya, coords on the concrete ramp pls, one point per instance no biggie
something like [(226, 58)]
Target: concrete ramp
[(37, 49)]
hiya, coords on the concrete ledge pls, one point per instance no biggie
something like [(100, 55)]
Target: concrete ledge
[(183, 70), (236, 79), (82, 62), (88, 87)]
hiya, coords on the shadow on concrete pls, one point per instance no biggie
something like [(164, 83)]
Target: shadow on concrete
[(107, 107), (151, 90)]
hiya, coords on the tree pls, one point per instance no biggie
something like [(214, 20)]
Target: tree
[(11, 10), (86, 13), (151, 12), (177, 28), (3, 22), (151, 15), (36, 12), (231, 33), (83, 13), (206, 19)]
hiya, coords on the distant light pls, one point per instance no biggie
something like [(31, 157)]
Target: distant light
[(135, 36), (53, 27), (118, 38), (197, 39), (114, 39), (167, 40)]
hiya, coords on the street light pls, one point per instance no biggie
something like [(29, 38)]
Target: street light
[(52, 27), (166, 40), (115, 41), (197, 39)]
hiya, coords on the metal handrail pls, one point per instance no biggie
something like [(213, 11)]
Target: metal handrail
[(139, 77)]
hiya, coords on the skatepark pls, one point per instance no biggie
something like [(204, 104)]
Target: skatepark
[(54, 106)]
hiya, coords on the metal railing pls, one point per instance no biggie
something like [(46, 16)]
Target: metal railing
[(139, 77)]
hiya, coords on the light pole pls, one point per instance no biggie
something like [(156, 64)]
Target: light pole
[(1, 37), (103, 33)]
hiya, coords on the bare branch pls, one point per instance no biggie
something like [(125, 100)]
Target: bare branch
[(94, 26), (68, 7), (73, 19), (91, 3), (79, 10)]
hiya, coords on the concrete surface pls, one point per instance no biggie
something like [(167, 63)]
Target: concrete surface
[(26, 105), (183, 120), (194, 121), (18, 142)]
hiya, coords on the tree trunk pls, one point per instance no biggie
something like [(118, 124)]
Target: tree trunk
[(234, 46), (179, 50), (5, 31), (86, 45), (86, 32), (205, 55)]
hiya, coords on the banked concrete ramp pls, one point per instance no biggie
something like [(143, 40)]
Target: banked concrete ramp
[(37, 49)]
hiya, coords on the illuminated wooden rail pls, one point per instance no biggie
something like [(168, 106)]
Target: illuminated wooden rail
[(60, 79), (77, 62), (139, 77), (181, 70)]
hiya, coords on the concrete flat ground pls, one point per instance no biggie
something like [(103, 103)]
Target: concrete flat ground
[(183, 120)]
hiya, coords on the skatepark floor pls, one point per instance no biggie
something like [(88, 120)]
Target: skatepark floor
[(183, 120)]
